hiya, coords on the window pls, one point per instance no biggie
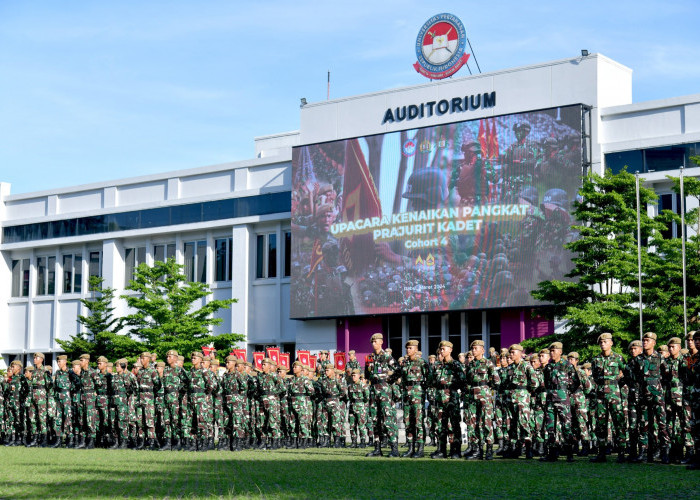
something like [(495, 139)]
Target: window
[(393, 336), (161, 253), (671, 202), (266, 256), (287, 253), (196, 261), (475, 326), (45, 275), (72, 273), (223, 259), (494, 321), (133, 257), (95, 264), (20, 278)]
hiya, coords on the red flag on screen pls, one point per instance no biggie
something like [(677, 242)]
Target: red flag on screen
[(258, 359), (493, 140), (303, 357), (483, 140), (274, 354), (312, 361), (316, 256), (284, 359), (339, 360), (360, 200)]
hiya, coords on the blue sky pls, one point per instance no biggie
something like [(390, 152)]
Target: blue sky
[(92, 91)]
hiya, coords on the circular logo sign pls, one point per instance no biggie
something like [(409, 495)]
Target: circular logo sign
[(440, 47), (409, 148)]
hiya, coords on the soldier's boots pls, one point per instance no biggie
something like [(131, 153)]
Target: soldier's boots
[(569, 453), (175, 445), (528, 450), (353, 443), (540, 449), (441, 451), (500, 446), (394, 453), (689, 454), (642, 457), (57, 442), (224, 444), (68, 442), (90, 443), (455, 450), (81, 443), (504, 448), (343, 442), (664, 456), (552, 454), (409, 451), (489, 452), (33, 442), (362, 443), (656, 455), (192, 444), (377, 452), (418, 450), (585, 449), (602, 458), (165, 446), (123, 444), (115, 445), (471, 449), (337, 443), (515, 451), (385, 442)]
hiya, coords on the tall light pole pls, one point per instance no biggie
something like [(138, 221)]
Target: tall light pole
[(639, 254)]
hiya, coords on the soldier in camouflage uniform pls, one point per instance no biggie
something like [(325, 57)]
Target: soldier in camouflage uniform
[(333, 390), (415, 377), (159, 403), (148, 383), (358, 396), (630, 399), (236, 389), (519, 383), (380, 366), (481, 381), (102, 396), (352, 363), (579, 406), (269, 390), (198, 387), (650, 372), (208, 409), (539, 399), (217, 408), (171, 384), (123, 384), (448, 379), (607, 374), (90, 380), (39, 386), (693, 382), (284, 407), (560, 380), (678, 425)]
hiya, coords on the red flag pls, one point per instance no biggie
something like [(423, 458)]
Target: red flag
[(303, 357), (316, 256), (274, 354), (258, 359), (339, 360), (206, 350), (493, 140), (360, 200), (240, 354), (483, 139), (284, 360), (312, 361)]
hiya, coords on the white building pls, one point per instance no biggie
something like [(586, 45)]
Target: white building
[(230, 224)]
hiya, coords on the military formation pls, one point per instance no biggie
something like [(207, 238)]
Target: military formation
[(642, 408)]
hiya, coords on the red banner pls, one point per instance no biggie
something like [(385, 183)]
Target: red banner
[(312, 361), (284, 360), (240, 354), (303, 357), (208, 350), (258, 359), (274, 354), (339, 360)]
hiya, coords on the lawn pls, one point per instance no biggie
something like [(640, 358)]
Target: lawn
[(322, 473)]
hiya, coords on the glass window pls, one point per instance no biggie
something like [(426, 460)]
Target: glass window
[(260, 256), (196, 261), (72, 273), (223, 259), (633, 160), (20, 278), (287, 253), (163, 252), (133, 257), (266, 255), (665, 158), (46, 275), (95, 264), (271, 255), (670, 202), (394, 335)]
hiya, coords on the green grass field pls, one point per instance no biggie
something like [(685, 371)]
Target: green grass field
[(322, 473)]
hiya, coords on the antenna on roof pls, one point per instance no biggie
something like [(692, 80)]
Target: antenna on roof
[(328, 94), (473, 55)]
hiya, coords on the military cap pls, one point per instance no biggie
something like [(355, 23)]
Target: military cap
[(268, 361), (122, 361), (356, 371), (62, 357), (329, 367), (412, 342), (690, 335), (323, 351), (515, 347), (573, 354), (445, 343), (231, 357), (49, 368), (604, 336), (30, 368), (504, 352), (39, 355), (206, 357), (587, 365), (389, 350), (110, 365), (102, 359), (76, 362), (649, 335), (675, 340), (556, 345), (215, 362), (197, 354), (249, 364), (145, 355), (16, 362), (684, 351), (138, 364), (663, 348), (181, 358), (297, 363), (476, 343), (635, 343), (376, 336), (432, 356), (84, 356), (351, 352), (160, 364), (544, 351)]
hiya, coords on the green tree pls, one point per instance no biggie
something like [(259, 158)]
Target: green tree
[(602, 293), (172, 313), (100, 335)]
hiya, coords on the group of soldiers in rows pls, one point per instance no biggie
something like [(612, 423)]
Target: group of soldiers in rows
[(545, 404)]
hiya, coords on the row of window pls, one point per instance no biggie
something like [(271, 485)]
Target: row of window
[(194, 256), (155, 217), (653, 159)]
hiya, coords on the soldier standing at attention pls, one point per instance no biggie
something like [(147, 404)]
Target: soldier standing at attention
[(63, 422), (358, 395), (560, 381), (122, 386), (171, 382), (268, 392), (579, 405), (607, 372), (148, 384), (448, 379), (380, 366), (481, 380), (678, 425), (332, 393), (39, 385), (352, 363), (89, 379), (102, 396), (196, 395), (520, 382)]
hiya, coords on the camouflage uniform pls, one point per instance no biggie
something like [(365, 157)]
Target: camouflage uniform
[(39, 386), (415, 376), (89, 379), (333, 390), (377, 370), (539, 401), (3, 390), (269, 390), (678, 425), (520, 381), (301, 389), (607, 372), (17, 394), (103, 424), (63, 422), (198, 388), (171, 382), (481, 380), (579, 408), (448, 379), (148, 384), (560, 381), (358, 395), (648, 371), (123, 385)]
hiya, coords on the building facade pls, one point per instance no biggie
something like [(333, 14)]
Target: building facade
[(229, 224)]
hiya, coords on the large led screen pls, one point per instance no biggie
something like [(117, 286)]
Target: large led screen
[(466, 215)]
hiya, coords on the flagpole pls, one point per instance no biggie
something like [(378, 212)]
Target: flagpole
[(685, 301), (639, 254)]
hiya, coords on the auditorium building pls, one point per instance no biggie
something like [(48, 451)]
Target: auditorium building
[(232, 225)]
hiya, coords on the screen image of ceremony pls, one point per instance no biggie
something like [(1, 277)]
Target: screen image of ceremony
[(468, 215)]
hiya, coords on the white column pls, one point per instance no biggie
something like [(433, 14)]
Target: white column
[(240, 280)]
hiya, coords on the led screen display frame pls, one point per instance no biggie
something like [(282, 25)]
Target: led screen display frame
[(458, 216)]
